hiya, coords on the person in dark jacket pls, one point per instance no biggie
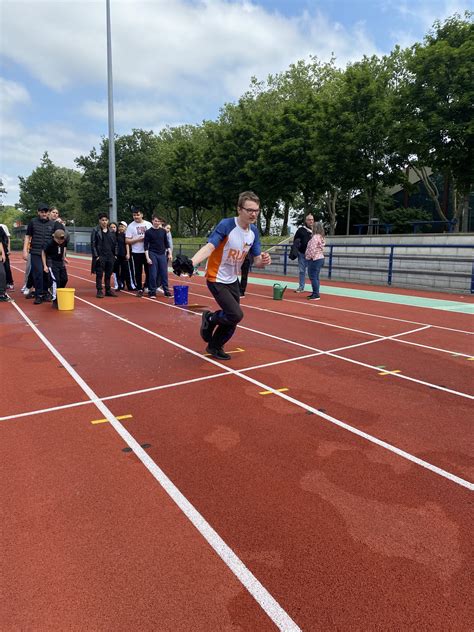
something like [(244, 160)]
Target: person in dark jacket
[(4, 298), (122, 264), (301, 239), (54, 262), (104, 251), (157, 247), (38, 234)]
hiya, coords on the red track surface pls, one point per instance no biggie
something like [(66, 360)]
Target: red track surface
[(343, 533)]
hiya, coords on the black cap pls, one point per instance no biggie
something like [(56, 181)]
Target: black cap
[(43, 207)]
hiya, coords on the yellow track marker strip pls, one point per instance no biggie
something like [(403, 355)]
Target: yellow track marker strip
[(238, 350), (471, 358), (105, 421), (390, 372), (278, 390)]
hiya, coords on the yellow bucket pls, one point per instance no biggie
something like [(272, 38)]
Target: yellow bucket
[(65, 298)]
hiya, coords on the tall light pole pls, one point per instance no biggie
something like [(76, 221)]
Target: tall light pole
[(112, 183)]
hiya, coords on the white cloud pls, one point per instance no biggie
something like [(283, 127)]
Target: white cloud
[(12, 94), (166, 46)]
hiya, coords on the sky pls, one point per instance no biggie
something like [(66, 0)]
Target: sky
[(174, 62)]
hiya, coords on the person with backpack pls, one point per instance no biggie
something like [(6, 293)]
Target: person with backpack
[(300, 242)]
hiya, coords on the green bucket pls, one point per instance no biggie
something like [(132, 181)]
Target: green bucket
[(278, 291)]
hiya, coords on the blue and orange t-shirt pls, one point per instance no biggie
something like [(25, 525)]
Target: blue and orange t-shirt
[(232, 244)]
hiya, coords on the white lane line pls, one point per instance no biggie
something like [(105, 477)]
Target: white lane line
[(261, 595), (368, 333), (326, 324), (353, 311), (112, 397), (266, 387), (337, 309), (310, 348)]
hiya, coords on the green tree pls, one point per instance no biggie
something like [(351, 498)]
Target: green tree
[(435, 109), (53, 185), (137, 175)]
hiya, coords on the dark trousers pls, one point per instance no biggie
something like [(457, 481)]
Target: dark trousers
[(139, 263), (314, 269), (122, 270), (8, 270), (3, 279), (57, 275), (244, 275), (40, 278), (103, 269), (158, 272), (225, 320)]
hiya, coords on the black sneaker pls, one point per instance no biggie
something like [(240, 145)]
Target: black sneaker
[(54, 303), (218, 353), (4, 298), (31, 295), (100, 294), (46, 298), (110, 293), (313, 298), (38, 300), (140, 293), (168, 294), (206, 327)]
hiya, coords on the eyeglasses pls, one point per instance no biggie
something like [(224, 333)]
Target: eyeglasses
[(250, 210)]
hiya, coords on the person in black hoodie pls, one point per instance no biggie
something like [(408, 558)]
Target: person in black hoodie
[(104, 251), (55, 262), (38, 234), (301, 239), (122, 265)]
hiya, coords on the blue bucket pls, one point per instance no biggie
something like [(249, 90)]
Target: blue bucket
[(180, 294)]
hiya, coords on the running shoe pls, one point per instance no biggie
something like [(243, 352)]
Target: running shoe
[(218, 353), (206, 327)]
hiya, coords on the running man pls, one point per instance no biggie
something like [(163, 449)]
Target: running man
[(228, 245)]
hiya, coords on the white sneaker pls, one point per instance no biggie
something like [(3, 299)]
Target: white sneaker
[(160, 289), (25, 291)]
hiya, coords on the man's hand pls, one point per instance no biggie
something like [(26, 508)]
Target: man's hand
[(183, 265), (266, 259), (149, 261)]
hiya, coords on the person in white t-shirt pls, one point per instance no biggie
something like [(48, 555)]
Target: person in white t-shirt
[(135, 237)]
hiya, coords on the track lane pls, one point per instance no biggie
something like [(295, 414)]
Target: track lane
[(337, 528)]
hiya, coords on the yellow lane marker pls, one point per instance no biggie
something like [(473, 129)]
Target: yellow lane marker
[(104, 421), (238, 350), (390, 372), (471, 358), (278, 390)]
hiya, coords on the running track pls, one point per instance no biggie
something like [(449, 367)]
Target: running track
[(200, 503)]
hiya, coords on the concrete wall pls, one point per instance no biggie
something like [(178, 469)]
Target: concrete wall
[(365, 259)]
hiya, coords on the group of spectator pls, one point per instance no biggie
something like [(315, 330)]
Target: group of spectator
[(128, 252)]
